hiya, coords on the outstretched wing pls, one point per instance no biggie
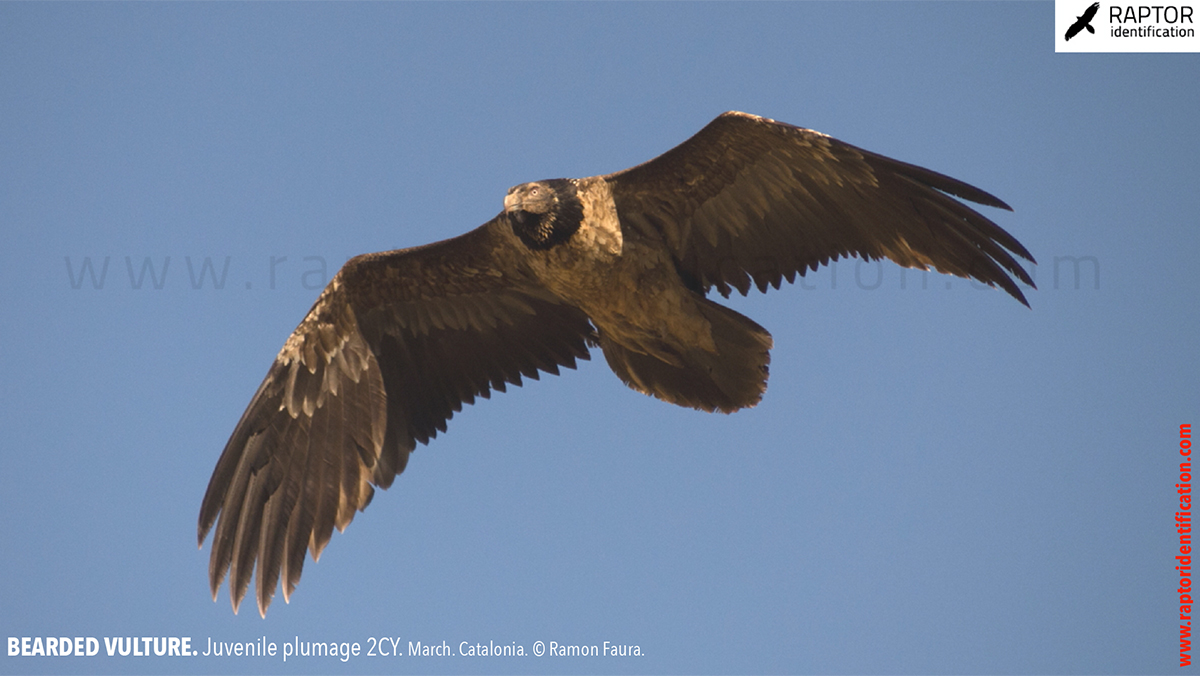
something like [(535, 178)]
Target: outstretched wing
[(395, 345), (748, 199)]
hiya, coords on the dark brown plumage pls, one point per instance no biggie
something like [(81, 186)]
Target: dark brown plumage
[(399, 341)]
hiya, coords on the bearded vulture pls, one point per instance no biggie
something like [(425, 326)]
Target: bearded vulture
[(400, 340)]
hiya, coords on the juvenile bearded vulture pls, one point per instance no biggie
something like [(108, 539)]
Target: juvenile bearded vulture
[(400, 340)]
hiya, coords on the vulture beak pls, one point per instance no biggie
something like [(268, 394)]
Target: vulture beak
[(512, 202), (512, 207)]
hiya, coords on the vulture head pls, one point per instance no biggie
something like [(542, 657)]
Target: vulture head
[(544, 213)]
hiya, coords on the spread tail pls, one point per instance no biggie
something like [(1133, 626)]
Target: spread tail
[(732, 378)]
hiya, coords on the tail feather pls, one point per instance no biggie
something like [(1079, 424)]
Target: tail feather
[(732, 378)]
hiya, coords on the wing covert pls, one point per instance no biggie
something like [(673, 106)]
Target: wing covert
[(393, 347), (751, 201)]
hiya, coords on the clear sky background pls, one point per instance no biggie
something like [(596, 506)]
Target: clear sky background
[(938, 479)]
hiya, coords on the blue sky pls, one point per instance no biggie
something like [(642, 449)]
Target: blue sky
[(938, 479)]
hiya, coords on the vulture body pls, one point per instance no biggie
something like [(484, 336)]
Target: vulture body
[(399, 341)]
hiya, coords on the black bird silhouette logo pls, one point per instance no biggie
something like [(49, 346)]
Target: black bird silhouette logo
[(1084, 21)]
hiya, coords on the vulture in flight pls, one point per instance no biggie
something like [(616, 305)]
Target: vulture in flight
[(399, 341)]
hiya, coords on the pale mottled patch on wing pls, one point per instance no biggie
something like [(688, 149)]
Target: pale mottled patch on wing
[(394, 346), (601, 228)]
